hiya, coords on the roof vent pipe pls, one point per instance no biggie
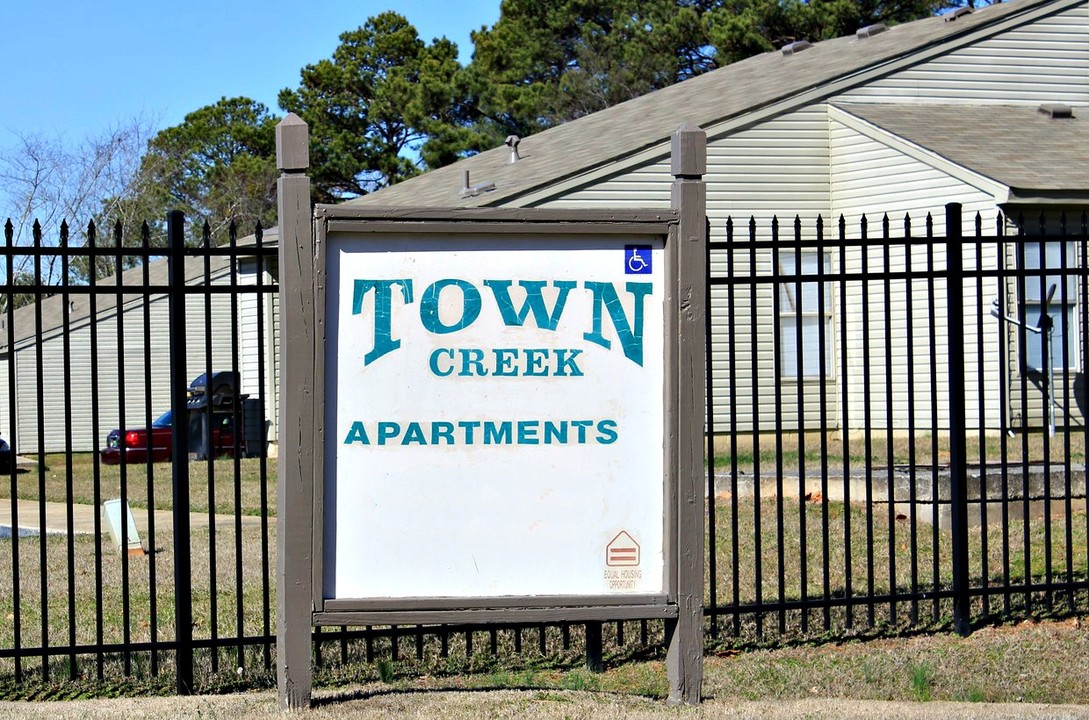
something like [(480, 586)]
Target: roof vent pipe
[(796, 47), (870, 30), (468, 191), (512, 142), (1057, 111)]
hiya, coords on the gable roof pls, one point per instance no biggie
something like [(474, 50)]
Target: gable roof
[(1019, 146), (735, 91)]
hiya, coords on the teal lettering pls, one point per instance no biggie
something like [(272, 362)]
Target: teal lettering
[(387, 431), (469, 426), (497, 433), (429, 306), (630, 334), (582, 425), (442, 431), (527, 432), (383, 312), (534, 302), (607, 432), (504, 362), (472, 358), (357, 434), (487, 432), (434, 362), (535, 362), (565, 362), (555, 431), (414, 435)]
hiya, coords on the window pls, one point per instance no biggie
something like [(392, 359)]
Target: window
[(1038, 285), (800, 310)]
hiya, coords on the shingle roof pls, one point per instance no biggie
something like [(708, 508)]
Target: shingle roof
[(1019, 147), (623, 130)]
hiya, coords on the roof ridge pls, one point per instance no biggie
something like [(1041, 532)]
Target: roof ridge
[(620, 132)]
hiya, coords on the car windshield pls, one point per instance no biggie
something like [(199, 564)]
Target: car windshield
[(163, 420)]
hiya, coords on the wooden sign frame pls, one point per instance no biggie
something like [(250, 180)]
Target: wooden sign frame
[(301, 601)]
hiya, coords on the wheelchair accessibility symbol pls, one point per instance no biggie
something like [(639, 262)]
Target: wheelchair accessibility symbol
[(637, 260)]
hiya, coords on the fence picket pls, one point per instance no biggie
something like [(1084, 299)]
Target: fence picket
[(902, 352), (183, 566)]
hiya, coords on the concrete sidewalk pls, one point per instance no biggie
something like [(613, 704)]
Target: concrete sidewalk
[(83, 518)]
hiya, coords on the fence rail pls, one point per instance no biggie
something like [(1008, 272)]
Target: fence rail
[(879, 438), (893, 440), (95, 340)]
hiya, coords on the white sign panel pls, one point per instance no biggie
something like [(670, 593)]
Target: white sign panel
[(494, 416)]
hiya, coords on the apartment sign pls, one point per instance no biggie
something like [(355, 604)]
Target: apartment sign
[(495, 413), (491, 416)]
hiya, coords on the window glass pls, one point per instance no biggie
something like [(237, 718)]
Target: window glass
[(800, 314), (1041, 259)]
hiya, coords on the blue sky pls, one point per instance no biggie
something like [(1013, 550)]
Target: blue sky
[(76, 68)]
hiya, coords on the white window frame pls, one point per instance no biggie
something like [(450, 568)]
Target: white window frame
[(804, 309), (1032, 303)]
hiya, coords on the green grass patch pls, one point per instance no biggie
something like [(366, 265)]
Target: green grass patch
[(222, 484), (787, 449), (786, 549)]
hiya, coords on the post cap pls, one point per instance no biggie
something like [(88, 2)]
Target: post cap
[(292, 144), (689, 151)]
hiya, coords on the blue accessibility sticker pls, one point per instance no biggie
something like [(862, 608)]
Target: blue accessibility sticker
[(637, 260)]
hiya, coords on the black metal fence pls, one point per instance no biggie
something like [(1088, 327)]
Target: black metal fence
[(94, 349), (886, 448), (896, 425)]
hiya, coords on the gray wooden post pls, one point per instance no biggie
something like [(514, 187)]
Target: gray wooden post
[(684, 658), (294, 501)]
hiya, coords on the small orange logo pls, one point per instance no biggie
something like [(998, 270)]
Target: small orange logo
[(622, 551)]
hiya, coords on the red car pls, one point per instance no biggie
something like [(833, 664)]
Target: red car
[(135, 444)]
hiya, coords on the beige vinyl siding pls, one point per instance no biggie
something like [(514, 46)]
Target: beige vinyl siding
[(254, 309), (91, 358), (5, 397), (761, 399), (102, 345), (871, 178), (776, 169), (872, 173), (1046, 61)]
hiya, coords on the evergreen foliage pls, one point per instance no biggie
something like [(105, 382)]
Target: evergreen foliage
[(387, 105)]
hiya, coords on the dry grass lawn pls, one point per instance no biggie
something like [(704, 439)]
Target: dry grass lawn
[(1031, 670)]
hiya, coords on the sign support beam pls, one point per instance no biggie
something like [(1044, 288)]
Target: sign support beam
[(684, 654), (295, 494)]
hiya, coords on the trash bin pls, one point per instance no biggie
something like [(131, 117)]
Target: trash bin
[(212, 434), (254, 427)]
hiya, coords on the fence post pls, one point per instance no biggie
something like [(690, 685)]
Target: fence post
[(684, 636), (958, 445), (183, 571), (298, 406), (594, 647)]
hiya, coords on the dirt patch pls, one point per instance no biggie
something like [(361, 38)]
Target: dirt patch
[(529, 704)]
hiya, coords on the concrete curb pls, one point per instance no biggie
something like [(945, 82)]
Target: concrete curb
[(83, 518)]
